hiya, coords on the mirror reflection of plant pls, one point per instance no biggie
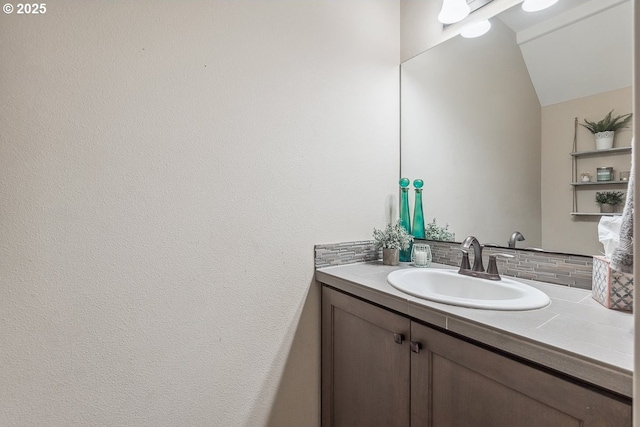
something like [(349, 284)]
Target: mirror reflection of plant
[(609, 197), (609, 123), (436, 232), (394, 236)]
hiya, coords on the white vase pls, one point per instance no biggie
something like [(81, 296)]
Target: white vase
[(604, 140)]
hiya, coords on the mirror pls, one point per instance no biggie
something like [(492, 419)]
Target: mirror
[(488, 123)]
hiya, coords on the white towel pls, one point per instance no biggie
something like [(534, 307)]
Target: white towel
[(622, 258)]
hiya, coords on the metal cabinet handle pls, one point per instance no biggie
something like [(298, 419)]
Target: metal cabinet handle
[(416, 346), (398, 338)]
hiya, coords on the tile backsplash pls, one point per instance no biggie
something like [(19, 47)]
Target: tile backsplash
[(345, 253), (561, 269)]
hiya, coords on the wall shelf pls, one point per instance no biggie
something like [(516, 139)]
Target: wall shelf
[(578, 185), (594, 214), (620, 150), (600, 183)]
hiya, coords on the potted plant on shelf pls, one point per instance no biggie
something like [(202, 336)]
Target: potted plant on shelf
[(393, 238), (609, 200), (604, 130)]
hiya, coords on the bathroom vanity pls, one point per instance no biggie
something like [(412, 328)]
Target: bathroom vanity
[(390, 359)]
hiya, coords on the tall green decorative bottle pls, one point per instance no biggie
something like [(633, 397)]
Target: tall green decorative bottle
[(405, 255), (418, 215)]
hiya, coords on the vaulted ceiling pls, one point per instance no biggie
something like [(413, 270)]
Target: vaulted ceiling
[(576, 48)]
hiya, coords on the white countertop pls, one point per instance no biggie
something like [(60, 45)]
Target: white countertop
[(574, 334)]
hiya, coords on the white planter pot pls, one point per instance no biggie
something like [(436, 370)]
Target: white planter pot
[(604, 140)]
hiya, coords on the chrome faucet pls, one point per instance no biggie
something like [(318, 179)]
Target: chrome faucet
[(469, 242), (478, 269), (515, 237)]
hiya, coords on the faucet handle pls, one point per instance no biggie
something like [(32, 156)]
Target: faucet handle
[(502, 255), (493, 265), (465, 265)]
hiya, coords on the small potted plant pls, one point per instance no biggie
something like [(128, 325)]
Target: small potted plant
[(585, 177), (437, 232), (609, 200), (393, 238), (604, 130)]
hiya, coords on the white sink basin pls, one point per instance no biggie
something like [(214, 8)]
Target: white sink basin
[(449, 287)]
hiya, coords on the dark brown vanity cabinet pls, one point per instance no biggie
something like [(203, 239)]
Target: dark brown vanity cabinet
[(380, 368), (366, 364)]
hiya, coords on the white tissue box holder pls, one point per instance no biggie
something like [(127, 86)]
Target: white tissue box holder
[(610, 287)]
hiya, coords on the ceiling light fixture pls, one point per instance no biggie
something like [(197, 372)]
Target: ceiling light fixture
[(536, 5), (453, 11), (476, 29)]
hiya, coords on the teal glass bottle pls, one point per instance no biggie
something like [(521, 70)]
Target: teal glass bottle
[(418, 214), (405, 222)]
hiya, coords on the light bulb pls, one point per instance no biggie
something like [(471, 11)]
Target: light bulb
[(476, 29), (536, 5), (453, 11)]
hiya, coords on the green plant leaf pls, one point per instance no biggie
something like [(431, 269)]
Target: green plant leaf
[(608, 123), (609, 197)]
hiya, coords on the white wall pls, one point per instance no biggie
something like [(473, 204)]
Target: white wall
[(471, 131), (165, 169)]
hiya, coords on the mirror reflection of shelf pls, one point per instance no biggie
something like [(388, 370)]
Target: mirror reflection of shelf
[(579, 185), (601, 183), (594, 214), (619, 150)]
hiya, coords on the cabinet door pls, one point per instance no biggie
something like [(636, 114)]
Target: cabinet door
[(365, 364), (455, 383)]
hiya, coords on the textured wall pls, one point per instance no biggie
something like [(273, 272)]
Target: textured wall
[(165, 169)]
